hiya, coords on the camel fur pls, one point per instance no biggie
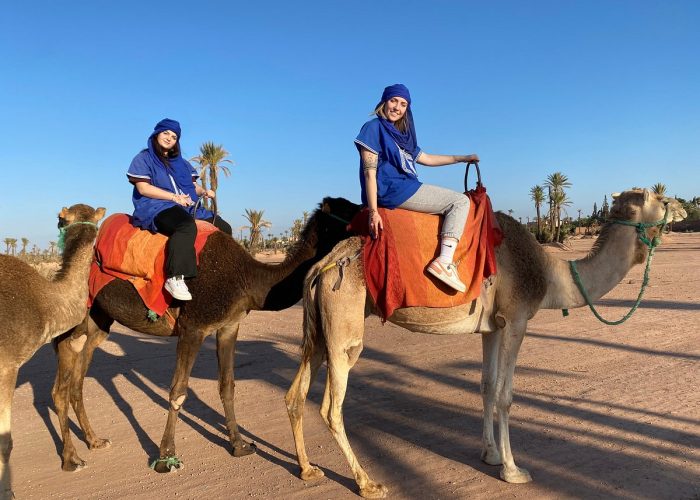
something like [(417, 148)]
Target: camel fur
[(33, 310), (230, 283), (528, 279)]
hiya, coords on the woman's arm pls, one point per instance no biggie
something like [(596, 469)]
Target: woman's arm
[(149, 190), (439, 160), (369, 170)]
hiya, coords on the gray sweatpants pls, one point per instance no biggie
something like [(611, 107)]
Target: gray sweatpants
[(431, 199)]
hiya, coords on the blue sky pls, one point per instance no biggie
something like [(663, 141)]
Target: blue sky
[(606, 92)]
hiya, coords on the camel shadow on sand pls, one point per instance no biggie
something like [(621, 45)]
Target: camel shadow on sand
[(379, 403)]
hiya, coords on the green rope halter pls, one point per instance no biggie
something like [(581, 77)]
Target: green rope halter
[(171, 462), (61, 243), (651, 245)]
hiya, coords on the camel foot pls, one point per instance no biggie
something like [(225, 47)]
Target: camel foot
[(491, 456), (373, 490), (243, 449), (515, 476), (167, 464), (77, 343), (311, 473), (99, 444), (73, 464)]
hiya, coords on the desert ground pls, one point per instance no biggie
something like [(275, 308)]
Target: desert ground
[(598, 411)]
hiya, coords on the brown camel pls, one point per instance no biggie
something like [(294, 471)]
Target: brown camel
[(33, 310), (528, 279), (229, 285)]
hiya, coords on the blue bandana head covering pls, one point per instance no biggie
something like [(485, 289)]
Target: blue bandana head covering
[(167, 124), (406, 141)]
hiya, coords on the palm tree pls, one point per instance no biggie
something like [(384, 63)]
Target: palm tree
[(255, 219), (559, 200), (210, 160), (659, 188), (537, 195), (556, 183), (52, 247), (25, 242), (8, 244), (13, 245)]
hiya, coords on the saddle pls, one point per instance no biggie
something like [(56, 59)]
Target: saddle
[(395, 263), (138, 256)]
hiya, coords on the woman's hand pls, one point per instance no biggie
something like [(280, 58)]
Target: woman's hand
[(183, 200), (209, 193), (375, 224), (471, 159)]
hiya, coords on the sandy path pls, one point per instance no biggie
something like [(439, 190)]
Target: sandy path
[(599, 412)]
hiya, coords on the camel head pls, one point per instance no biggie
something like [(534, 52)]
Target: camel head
[(642, 206), (79, 213), (332, 218)]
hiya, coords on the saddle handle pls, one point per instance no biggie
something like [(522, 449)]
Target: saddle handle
[(466, 176), (200, 203)]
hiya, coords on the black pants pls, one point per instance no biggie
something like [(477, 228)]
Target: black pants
[(179, 226)]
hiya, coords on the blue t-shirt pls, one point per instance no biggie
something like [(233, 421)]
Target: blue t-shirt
[(177, 179), (397, 180)]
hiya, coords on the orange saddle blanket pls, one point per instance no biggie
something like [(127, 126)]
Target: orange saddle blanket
[(395, 264), (137, 256)]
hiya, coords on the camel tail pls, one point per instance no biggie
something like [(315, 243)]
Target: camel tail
[(313, 327)]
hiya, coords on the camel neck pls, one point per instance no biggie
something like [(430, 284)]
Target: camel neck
[(611, 258)]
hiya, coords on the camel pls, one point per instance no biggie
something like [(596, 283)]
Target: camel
[(33, 310), (230, 284), (528, 279)]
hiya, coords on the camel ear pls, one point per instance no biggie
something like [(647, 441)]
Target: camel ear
[(99, 213), (63, 213), (647, 194), (615, 196), (326, 208)]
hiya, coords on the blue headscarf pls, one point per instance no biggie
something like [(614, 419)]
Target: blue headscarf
[(167, 124), (406, 141)]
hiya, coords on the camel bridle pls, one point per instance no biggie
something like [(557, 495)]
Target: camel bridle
[(651, 244)]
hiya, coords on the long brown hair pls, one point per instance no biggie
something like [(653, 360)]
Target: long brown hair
[(401, 124)]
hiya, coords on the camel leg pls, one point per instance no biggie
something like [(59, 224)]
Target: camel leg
[(188, 346), (343, 322), (490, 343), (94, 339), (68, 387), (511, 339), (225, 351), (295, 400), (8, 380)]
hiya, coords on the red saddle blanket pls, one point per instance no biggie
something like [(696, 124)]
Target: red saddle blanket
[(395, 264), (137, 256)]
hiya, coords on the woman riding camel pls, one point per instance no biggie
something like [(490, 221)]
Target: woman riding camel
[(388, 153), (165, 201)]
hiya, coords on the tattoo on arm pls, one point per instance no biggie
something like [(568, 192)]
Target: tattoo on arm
[(369, 160)]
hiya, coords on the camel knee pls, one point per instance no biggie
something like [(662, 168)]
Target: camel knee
[(176, 403), (353, 353), (504, 402)]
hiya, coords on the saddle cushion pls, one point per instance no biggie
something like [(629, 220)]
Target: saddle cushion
[(137, 256), (395, 263)]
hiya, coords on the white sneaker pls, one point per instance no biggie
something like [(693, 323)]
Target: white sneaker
[(447, 273), (177, 287)]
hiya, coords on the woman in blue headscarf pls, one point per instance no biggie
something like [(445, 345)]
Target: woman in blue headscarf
[(388, 153), (165, 199)]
